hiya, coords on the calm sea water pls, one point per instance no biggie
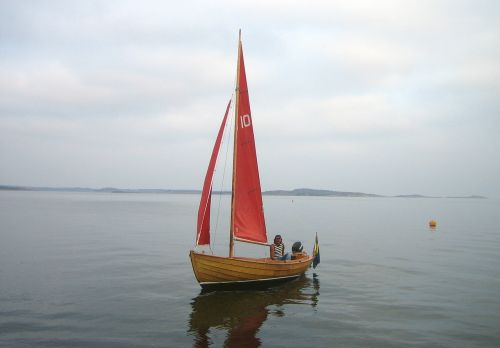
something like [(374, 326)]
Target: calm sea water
[(112, 270)]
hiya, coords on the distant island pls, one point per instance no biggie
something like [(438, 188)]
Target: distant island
[(296, 192), (320, 193), (87, 189)]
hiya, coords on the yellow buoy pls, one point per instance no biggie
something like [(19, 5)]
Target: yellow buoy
[(432, 224)]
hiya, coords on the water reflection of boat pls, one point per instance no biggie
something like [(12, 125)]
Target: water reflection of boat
[(242, 313)]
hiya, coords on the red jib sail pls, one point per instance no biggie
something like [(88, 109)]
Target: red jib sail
[(203, 228), (248, 222)]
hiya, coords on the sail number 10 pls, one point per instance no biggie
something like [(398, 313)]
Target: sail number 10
[(245, 121)]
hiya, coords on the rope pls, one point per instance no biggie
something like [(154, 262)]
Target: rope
[(223, 173)]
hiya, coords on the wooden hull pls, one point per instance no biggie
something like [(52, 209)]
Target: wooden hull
[(217, 271)]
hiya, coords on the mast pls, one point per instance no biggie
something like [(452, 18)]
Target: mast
[(231, 231)]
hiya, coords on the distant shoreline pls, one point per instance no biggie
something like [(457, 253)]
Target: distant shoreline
[(294, 193)]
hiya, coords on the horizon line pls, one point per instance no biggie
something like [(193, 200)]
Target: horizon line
[(275, 192)]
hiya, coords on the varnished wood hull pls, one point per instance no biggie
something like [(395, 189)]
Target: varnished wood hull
[(217, 271)]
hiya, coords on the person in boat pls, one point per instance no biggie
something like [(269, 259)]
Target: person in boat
[(297, 250), (278, 249)]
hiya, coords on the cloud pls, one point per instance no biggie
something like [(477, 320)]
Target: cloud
[(340, 117), (98, 90)]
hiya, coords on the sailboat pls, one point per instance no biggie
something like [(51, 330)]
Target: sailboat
[(247, 223)]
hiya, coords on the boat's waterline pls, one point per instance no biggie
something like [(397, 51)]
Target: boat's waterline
[(250, 281)]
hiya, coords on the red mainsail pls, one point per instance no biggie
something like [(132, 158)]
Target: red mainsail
[(203, 228), (248, 222)]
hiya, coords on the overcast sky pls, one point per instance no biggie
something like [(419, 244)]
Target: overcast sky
[(387, 97)]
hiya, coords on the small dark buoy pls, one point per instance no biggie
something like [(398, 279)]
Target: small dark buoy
[(432, 224)]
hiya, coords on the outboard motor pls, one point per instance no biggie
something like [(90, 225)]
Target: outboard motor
[(297, 247)]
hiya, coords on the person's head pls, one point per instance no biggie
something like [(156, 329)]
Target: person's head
[(277, 239), (297, 247)]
